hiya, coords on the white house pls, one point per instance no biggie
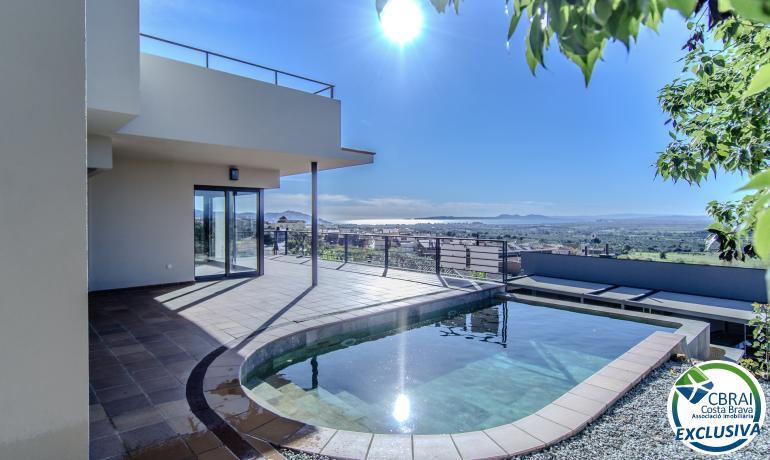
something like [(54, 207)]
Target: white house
[(123, 169)]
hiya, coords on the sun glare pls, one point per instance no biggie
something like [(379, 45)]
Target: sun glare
[(401, 409), (401, 21)]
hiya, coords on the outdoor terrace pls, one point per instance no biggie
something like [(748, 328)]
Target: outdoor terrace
[(150, 347)]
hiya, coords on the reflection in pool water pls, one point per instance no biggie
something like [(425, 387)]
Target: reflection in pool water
[(470, 369)]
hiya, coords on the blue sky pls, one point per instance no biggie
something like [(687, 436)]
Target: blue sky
[(458, 123)]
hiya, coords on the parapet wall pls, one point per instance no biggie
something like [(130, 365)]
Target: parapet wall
[(737, 283)]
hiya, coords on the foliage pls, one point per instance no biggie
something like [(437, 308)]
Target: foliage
[(720, 122), (582, 28), (732, 223), (713, 125), (296, 242), (750, 365), (478, 275), (760, 325)]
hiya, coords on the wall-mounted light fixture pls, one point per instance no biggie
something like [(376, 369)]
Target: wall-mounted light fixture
[(233, 173)]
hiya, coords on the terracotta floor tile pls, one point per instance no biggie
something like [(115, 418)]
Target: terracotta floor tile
[(220, 453), (147, 436), (202, 441)]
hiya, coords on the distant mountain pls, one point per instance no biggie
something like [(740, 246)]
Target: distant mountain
[(528, 218), (272, 217), (542, 219), (500, 216)]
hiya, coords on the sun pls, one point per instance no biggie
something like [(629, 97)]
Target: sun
[(401, 21)]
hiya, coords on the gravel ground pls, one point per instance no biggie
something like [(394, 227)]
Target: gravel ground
[(294, 455), (636, 427)]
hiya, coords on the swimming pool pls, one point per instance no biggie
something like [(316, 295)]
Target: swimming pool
[(461, 370)]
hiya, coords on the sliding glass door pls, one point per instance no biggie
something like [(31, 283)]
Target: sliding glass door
[(227, 232), (210, 234), (245, 233)]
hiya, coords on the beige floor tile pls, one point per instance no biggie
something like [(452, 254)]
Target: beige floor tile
[(430, 447), (476, 444), (390, 446), (545, 430), (602, 395), (514, 440), (348, 445), (581, 404), (573, 420)]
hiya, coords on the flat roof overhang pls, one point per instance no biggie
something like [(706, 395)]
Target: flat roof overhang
[(193, 152)]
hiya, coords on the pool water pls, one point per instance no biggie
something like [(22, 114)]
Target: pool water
[(468, 369)]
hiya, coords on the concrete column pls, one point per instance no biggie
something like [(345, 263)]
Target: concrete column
[(314, 221), (43, 285)]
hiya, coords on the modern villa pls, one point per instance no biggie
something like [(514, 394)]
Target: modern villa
[(143, 315), (163, 134)]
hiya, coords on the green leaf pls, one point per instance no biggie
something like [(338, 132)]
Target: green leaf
[(514, 22), (758, 182), (685, 7), (760, 82), (440, 5), (536, 38), (716, 227), (559, 20), (755, 10), (602, 11), (380, 4), (531, 61), (762, 235)]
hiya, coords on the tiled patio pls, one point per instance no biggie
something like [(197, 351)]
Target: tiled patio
[(144, 343)]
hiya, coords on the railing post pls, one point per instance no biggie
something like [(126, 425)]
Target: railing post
[(345, 254), (505, 262), (286, 242), (275, 244), (438, 256), (332, 92), (387, 250), (207, 60), (276, 78)]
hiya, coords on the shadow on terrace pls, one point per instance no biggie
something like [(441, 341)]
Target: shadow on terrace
[(146, 342)]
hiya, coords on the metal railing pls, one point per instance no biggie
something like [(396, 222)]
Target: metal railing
[(472, 258), (324, 87)]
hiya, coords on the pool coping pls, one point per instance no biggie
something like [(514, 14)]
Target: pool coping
[(563, 418)]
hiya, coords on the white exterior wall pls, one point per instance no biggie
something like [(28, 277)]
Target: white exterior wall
[(185, 102), (112, 52), (141, 219), (43, 300), (99, 152)]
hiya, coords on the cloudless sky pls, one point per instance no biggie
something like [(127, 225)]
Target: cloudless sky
[(459, 124)]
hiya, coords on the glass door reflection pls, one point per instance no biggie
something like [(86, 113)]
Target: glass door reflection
[(210, 234), (226, 233), (244, 232)]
